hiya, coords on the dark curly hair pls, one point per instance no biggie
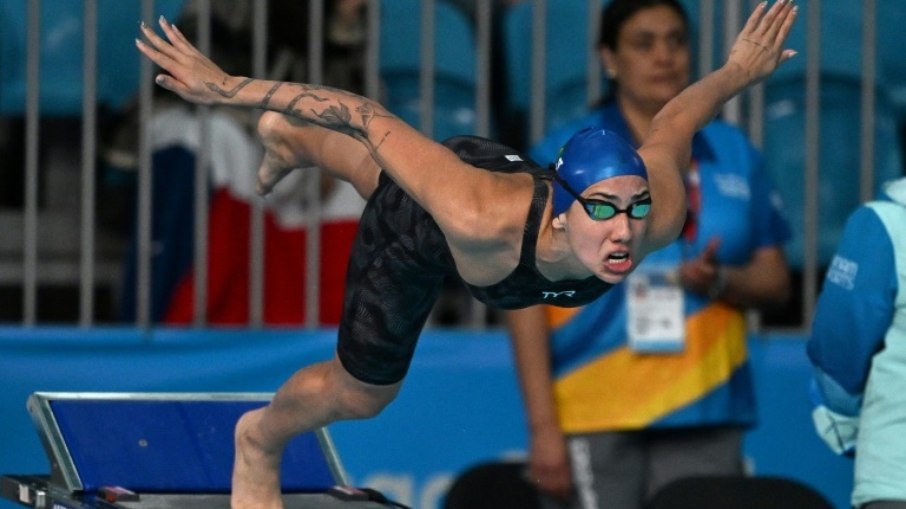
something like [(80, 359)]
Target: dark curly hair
[(618, 11)]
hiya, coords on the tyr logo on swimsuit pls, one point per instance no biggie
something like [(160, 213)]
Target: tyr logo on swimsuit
[(554, 295)]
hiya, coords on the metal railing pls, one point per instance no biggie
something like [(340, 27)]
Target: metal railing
[(26, 265)]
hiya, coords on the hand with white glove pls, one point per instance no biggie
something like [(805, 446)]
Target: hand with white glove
[(838, 431)]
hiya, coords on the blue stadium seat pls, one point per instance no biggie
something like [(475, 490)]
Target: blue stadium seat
[(841, 46), (839, 155), (840, 110), (61, 53), (455, 66), (841, 42), (891, 46), (566, 59), (12, 58), (720, 492)]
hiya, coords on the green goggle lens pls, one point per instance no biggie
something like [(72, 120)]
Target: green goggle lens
[(602, 210)]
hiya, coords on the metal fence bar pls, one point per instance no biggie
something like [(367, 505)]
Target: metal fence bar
[(483, 38), (202, 165), (313, 178), (426, 78), (867, 131), (256, 235), (706, 37), (732, 110), (477, 309), (539, 71), (752, 114), (89, 151), (143, 251), (755, 110), (32, 133), (593, 63), (372, 50), (812, 156)]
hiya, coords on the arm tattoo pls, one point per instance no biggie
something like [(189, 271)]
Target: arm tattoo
[(337, 115), (270, 93), (369, 113), (339, 118), (228, 93), (290, 108)]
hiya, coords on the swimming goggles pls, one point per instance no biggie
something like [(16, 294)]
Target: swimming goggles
[(600, 210)]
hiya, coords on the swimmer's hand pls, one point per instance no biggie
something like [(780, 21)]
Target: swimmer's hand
[(758, 49), (188, 73)]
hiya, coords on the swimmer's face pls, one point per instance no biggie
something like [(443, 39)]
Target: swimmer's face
[(610, 246)]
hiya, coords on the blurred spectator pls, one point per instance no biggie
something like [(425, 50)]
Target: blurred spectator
[(858, 347), (651, 382), (234, 155)]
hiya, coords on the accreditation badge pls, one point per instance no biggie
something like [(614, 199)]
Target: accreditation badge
[(654, 300)]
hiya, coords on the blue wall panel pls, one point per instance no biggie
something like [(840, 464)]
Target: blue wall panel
[(460, 404)]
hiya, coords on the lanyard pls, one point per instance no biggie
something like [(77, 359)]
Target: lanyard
[(694, 204)]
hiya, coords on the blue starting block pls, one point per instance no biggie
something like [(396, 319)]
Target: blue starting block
[(164, 450)]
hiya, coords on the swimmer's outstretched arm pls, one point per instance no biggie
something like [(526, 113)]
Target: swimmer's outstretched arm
[(666, 149), (453, 192)]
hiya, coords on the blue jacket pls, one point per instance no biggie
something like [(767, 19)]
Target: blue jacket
[(601, 383), (858, 346)]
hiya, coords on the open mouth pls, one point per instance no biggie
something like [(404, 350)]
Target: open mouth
[(619, 262)]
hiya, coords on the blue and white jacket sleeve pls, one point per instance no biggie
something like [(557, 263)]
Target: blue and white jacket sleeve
[(854, 311)]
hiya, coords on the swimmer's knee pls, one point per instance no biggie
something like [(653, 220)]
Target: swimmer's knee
[(360, 400), (359, 405)]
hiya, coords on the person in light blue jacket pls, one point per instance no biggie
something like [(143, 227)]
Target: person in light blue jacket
[(858, 348)]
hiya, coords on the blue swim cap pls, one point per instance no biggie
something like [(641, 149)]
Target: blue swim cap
[(590, 156)]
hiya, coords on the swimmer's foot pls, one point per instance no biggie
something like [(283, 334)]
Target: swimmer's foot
[(279, 156)]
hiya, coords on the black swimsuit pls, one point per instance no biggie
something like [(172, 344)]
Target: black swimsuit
[(400, 259)]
